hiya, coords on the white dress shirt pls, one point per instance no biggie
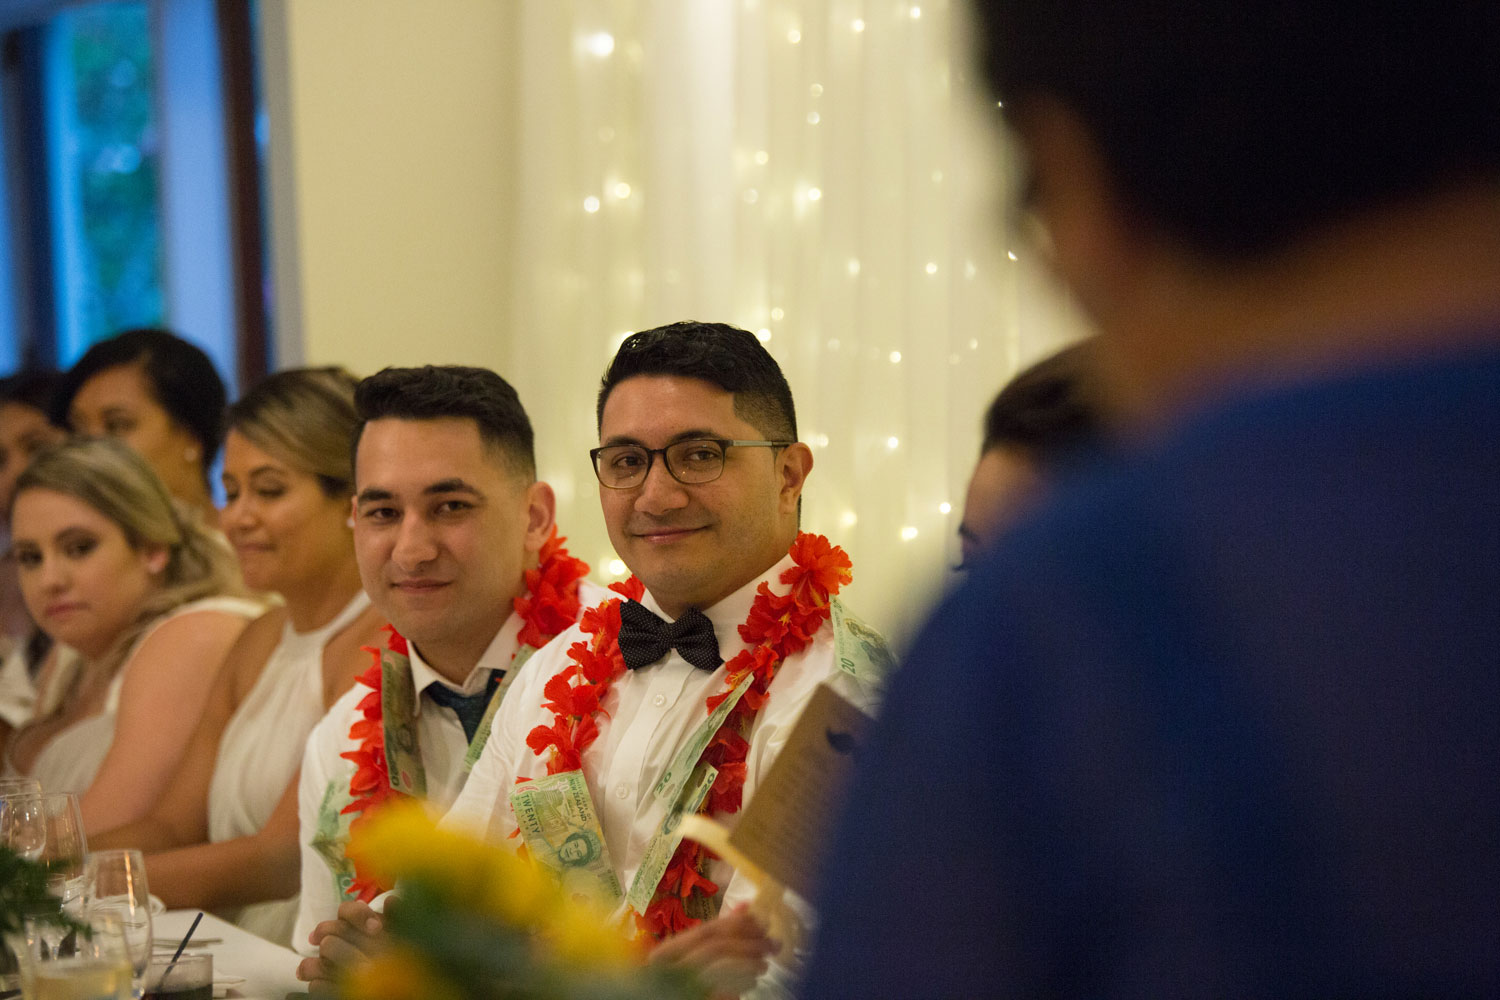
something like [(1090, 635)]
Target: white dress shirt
[(649, 713), (439, 734), (443, 745)]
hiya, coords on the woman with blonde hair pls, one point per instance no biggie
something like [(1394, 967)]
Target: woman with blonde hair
[(225, 832), (143, 603)]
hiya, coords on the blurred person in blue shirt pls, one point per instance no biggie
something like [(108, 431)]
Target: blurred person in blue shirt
[(1222, 718)]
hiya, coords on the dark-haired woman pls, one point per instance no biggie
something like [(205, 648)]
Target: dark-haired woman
[(158, 394)]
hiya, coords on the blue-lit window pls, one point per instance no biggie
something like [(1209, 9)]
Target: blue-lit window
[(103, 143), (131, 193)]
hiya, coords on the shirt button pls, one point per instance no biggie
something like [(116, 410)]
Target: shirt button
[(622, 791), (659, 700)]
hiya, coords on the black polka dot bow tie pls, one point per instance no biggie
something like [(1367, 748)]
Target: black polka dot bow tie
[(645, 638)]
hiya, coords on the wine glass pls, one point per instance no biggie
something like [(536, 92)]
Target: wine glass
[(28, 844), (115, 886), (19, 786), (49, 828), (23, 824), (88, 964)]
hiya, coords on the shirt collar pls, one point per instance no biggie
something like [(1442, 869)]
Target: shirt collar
[(730, 612), (497, 656)]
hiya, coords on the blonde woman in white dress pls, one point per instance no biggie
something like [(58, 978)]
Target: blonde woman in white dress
[(224, 836), (143, 604)]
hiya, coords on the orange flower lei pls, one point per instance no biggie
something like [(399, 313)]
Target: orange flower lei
[(776, 628), (548, 606)]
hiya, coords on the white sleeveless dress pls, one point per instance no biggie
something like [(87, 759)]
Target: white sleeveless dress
[(71, 760), (262, 747)]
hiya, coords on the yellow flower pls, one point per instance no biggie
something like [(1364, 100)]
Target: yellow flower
[(581, 935), (396, 975), (516, 892), (402, 841)]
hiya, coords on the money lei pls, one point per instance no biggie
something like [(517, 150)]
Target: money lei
[(547, 606), (778, 626)]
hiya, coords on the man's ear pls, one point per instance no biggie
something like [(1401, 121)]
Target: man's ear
[(1092, 238), (541, 513), (793, 465)]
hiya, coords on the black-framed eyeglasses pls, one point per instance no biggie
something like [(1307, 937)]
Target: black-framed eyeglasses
[(692, 463)]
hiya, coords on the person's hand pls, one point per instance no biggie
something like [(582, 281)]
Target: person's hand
[(354, 936), (729, 953)]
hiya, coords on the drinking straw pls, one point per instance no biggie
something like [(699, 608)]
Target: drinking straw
[(178, 953)]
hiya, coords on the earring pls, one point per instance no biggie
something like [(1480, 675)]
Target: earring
[(190, 454)]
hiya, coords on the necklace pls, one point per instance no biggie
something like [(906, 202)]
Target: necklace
[(777, 627), (547, 606)]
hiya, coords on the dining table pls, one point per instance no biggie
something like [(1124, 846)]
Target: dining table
[(245, 965)]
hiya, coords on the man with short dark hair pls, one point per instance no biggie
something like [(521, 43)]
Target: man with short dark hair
[(1044, 420), (1222, 720), (452, 531), (677, 699)]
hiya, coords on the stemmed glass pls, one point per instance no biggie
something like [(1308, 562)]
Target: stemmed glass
[(93, 964), (22, 827), (49, 828), (115, 886)]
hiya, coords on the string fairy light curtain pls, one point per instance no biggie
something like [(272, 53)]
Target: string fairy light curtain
[(822, 172)]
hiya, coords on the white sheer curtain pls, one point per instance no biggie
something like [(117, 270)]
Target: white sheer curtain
[(822, 172)]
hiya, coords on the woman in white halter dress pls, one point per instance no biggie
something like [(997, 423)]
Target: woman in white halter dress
[(141, 601), (224, 837)]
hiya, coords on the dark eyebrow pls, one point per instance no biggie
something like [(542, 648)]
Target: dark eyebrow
[(696, 434), (453, 485), (373, 495), (964, 531)]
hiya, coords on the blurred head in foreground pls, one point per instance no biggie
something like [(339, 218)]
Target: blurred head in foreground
[(1248, 188)]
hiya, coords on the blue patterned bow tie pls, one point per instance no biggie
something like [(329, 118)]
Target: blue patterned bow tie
[(470, 708), (645, 638)]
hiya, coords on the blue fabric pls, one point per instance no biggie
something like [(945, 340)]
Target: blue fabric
[(469, 708), (1224, 720)]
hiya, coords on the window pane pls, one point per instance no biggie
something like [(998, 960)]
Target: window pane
[(104, 178)]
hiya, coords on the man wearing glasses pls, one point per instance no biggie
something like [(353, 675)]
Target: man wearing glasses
[(700, 475)]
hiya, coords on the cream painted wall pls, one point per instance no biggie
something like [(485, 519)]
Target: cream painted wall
[(390, 182)]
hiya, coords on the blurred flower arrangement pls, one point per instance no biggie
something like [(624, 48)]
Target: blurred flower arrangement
[(24, 893), (475, 922)]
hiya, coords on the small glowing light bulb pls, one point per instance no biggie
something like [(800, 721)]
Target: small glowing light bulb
[(591, 204), (599, 44)]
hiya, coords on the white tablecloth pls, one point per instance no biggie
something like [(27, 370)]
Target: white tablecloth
[(269, 970)]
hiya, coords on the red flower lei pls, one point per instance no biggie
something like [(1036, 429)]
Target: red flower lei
[(548, 606), (776, 628)]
